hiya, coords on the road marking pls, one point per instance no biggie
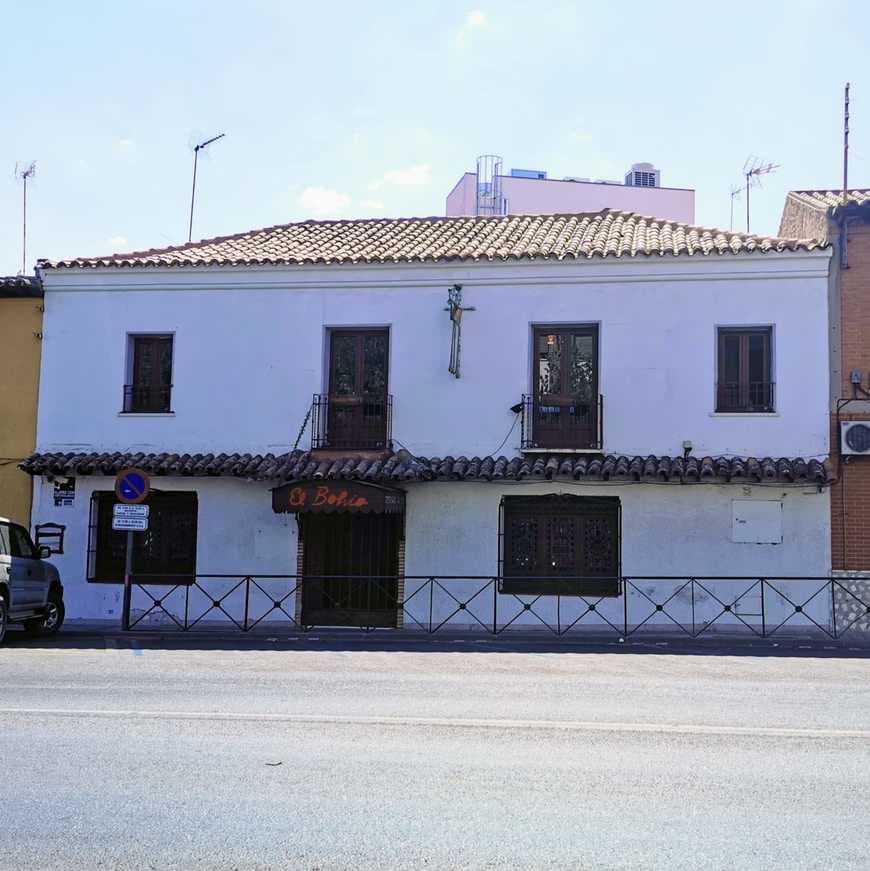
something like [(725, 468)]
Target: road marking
[(449, 722)]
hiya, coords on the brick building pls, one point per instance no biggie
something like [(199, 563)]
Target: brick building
[(823, 214)]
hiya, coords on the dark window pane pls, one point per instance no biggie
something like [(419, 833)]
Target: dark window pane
[(600, 547), (21, 545), (581, 371), (562, 546), (523, 545), (549, 363), (731, 349), (343, 365), (375, 365), (757, 358)]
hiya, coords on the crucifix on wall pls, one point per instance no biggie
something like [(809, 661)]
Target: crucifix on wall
[(454, 306)]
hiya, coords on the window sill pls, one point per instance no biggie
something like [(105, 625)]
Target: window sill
[(146, 414), (744, 414)]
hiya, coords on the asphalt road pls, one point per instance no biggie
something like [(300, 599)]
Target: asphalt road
[(323, 759)]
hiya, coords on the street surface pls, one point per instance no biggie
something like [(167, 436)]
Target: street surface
[(123, 757)]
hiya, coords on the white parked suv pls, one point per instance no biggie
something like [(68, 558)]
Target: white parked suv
[(30, 589)]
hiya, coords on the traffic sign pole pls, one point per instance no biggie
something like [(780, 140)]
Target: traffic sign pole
[(131, 487), (128, 583)]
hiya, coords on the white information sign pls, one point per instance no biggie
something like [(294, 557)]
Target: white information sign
[(130, 518)]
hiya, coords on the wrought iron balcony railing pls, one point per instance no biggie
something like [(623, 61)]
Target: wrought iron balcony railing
[(147, 399), (352, 422), (561, 425), (747, 397)]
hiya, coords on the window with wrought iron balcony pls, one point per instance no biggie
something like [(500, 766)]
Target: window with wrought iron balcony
[(565, 411), (356, 413), (149, 390), (745, 368)]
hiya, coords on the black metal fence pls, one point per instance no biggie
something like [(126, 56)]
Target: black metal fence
[(692, 606), (146, 398), (745, 396)]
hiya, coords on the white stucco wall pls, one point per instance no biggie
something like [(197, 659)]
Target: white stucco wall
[(452, 529), (250, 347)]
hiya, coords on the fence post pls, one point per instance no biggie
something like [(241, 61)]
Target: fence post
[(625, 585), (247, 599), (763, 623), (431, 594), (494, 606), (833, 608)]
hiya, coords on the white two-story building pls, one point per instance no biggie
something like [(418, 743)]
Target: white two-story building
[(553, 402)]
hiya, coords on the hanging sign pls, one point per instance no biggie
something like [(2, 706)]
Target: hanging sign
[(335, 496), (132, 486), (130, 518)]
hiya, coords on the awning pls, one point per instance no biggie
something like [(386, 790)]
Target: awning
[(330, 497)]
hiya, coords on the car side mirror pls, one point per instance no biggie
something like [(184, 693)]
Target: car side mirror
[(44, 551)]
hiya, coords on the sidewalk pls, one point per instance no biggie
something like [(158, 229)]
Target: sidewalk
[(109, 634)]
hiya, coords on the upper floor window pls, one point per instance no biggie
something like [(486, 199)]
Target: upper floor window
[(745, 370), (149, 374), (355, 414), (564, 410)]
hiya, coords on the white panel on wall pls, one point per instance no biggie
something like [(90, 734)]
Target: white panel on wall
[(754, 521)]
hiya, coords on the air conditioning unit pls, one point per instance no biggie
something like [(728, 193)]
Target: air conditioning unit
[(854, 437)]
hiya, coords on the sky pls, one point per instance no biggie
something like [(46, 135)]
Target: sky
[(347, 109)]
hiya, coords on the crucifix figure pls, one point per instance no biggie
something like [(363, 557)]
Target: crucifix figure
[(454, 306)]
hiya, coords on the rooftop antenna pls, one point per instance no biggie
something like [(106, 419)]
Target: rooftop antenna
[(736, 190), (844, 258), (24, 172), (753, 169), (196, 150)]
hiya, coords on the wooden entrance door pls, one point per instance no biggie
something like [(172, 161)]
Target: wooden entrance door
[(363, 551)]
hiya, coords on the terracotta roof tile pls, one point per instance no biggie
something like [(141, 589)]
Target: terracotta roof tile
[(607, 233), (402, 466), (807, 213)]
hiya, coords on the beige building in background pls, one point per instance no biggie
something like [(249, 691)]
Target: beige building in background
[(20, 348)]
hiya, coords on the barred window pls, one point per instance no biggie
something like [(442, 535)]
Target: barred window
[(166, 553), (561, 544)]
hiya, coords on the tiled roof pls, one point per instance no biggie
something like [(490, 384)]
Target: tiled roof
[(403, 467), (411, 240), (20, 285), (825, 200), (806, 213)]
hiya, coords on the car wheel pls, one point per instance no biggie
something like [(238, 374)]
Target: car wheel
[(4, 619), (54, 614)]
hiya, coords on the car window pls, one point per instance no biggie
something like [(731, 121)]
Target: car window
[(4, 539), (20, 543)]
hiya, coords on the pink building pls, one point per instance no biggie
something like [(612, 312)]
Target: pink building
[(489, 191)]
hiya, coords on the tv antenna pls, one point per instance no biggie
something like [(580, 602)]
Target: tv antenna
[(24, 172), (753, 169), (736, 190), (196, 150)]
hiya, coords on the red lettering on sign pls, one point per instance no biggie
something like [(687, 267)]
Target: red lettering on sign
[(297, 497)]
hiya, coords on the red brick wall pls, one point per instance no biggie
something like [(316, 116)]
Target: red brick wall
[(850, 496)]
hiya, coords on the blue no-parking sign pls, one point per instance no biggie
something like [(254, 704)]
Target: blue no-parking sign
[(132, 486)]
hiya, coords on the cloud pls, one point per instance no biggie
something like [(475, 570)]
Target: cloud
[(412, 176), (118, 243), (475, 21), (324, 202)]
